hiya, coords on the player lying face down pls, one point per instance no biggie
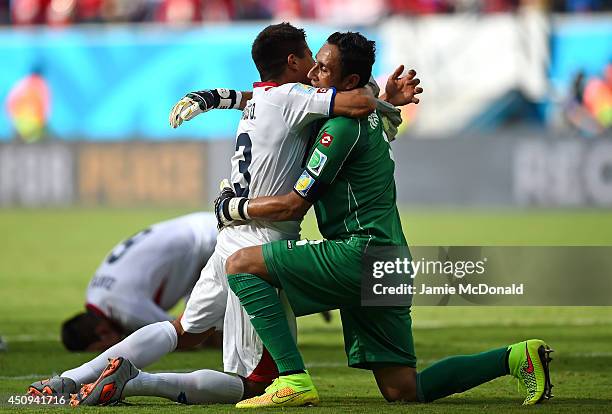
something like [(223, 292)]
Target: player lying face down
[(90, 331), (140, 280)]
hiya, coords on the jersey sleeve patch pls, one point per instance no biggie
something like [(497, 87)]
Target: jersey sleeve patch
[(326, 140), (308, 188), (317, 162), (304, 184), (303, 89)]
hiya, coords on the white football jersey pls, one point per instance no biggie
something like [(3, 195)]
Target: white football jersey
[(271, 142), (147, 274)]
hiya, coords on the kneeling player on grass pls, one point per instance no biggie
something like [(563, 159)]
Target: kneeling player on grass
[(349, 179), (141, 279), (276, 125)]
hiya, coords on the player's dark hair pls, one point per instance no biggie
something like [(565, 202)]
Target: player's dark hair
[(272, 46), (357, 54), (79, 331)]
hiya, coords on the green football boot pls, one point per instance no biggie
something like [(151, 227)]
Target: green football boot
[(294, 390), (528, 361)]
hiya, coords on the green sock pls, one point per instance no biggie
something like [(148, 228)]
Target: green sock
[(460, 373), (261, 302)]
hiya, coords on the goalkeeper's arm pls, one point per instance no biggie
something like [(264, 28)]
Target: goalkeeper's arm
[(195, 103), (354, 104)]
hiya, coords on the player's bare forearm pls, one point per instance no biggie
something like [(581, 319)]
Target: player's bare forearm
[(393, 100), (356, 103), (246, 95), (278, 208)]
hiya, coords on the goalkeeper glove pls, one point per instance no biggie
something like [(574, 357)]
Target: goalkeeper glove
[(391, 116), (229, 209), (195, 103)]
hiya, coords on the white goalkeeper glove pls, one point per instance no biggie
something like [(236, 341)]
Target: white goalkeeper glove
[(391, 116), (372, 85), (195, 103), (229, 209)]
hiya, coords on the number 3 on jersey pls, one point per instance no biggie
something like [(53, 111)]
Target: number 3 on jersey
[(120, 250), (243, 154)]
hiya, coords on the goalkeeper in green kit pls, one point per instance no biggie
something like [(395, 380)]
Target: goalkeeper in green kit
[(348, 177)]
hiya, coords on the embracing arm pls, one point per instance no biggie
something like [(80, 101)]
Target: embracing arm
[(232, 210), (399, 91), (356, 103), (286, 207), (323, 166)]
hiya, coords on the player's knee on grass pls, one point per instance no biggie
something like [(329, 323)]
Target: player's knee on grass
[(248, 260), (397, 383)]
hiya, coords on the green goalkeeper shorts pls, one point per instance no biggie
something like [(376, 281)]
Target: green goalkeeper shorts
[(326, 274)]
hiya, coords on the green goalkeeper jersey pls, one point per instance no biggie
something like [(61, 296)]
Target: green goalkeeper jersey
[(349, 178)]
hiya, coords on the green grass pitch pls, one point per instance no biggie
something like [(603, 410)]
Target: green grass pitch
[(48, 256)]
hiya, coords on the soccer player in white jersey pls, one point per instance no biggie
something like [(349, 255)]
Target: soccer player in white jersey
[(141, 279), (259, 167)]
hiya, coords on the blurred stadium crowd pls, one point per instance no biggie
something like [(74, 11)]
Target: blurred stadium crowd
[(589, 106), (63, 12), (520, 89)]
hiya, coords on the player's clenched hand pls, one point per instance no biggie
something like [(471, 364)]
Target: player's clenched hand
[(229, 209), (226, 194), (402, 90)]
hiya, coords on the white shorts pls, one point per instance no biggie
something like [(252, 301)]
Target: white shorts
[(213, 305), (205, 308), (242, 348)]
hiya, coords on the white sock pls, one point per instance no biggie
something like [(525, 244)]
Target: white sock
[(198, 387), (143, 347)]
